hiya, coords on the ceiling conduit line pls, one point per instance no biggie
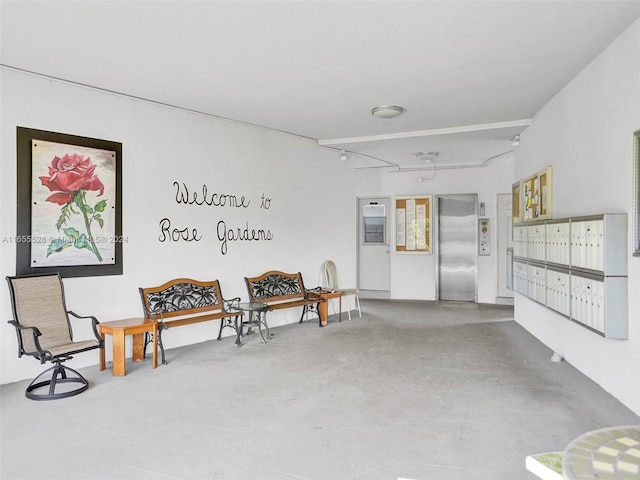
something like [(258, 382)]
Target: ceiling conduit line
[(152, 102), (386, 162), (428, 133), (440, 167), (183, 109), (321, 143), (480, 165)]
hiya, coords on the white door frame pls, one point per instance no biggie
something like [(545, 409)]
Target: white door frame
[(504, 231), (380, 253)]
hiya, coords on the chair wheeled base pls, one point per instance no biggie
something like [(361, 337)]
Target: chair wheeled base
[(55, 378)]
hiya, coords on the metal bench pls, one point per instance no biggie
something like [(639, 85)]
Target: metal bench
[(284, 290), (184, 301)]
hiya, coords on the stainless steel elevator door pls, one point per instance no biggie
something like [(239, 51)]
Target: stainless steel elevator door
[(457, 247)]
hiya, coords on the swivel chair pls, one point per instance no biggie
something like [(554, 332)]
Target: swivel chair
[(44, 332)]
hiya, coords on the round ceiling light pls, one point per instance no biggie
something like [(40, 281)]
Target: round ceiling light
[(427, 156), (387, 111)]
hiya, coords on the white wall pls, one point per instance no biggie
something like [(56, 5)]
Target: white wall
[(162, 145), (413, 276), (585, 134)]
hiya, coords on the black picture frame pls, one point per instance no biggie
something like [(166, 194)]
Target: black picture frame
[(636, 193), (24, 236)]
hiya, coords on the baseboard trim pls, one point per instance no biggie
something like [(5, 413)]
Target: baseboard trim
[(504, 300), (377, 294)]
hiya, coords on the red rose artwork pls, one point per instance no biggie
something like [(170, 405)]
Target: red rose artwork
[(69, 174), (69, 180)]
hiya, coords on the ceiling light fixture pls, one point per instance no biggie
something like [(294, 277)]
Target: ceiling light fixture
[(427, 156), (515, 141), (343, 155), (387, 111)]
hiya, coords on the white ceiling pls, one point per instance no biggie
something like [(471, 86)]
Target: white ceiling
[(317, 68)]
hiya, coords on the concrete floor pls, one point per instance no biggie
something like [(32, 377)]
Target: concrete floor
[(418, 390)]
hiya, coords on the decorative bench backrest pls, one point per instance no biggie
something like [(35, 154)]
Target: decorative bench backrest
[(182, 296), (275, 286)]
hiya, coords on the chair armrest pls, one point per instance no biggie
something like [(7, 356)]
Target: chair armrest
[(94, 324), (34, 332), (229, 305), (158, 317), (313, 294)]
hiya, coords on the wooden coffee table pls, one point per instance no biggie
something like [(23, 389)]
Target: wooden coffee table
[(323, 307), (119, 329)]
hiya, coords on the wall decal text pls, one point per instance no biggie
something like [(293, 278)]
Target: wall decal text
[(226, 234)]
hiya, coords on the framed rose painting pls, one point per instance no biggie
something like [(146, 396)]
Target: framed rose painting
[(69, 204), (636, 193)]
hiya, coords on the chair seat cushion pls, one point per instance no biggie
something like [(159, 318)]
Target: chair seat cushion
[(348, 291), (70, 347)]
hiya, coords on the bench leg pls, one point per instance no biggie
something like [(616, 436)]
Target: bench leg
[(310, 308), (221, 327), (262, 320), (239, 325), (148, 338), (162, 327), (147, 341), (102, 359), (231, 321)]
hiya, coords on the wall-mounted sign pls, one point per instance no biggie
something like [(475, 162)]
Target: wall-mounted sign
[(413, 224), (532, 197)]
